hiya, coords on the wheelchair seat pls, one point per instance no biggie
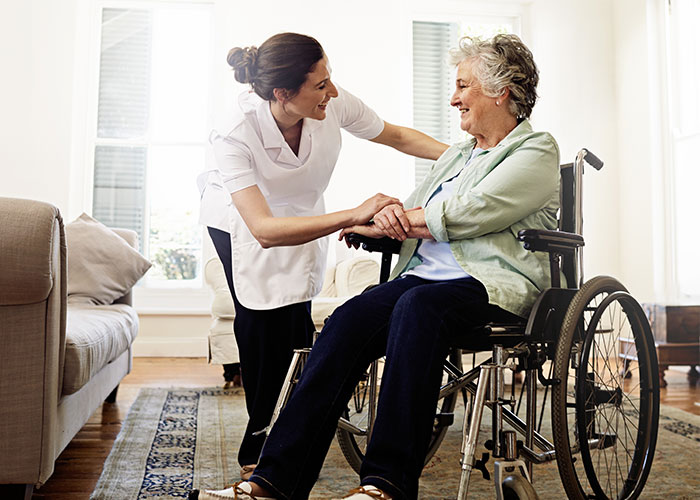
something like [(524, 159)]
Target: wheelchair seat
[(485, 337)]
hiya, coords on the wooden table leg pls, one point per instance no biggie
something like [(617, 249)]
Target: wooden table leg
[(693, 373), (662, 380)]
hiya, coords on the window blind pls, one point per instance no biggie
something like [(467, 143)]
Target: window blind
[(432, 77), (119, 187), (125, 64), (122, 114)]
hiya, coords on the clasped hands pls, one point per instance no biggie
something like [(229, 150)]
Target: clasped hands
[(393, 221)]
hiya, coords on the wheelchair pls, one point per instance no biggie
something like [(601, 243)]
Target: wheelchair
[(588, 343)]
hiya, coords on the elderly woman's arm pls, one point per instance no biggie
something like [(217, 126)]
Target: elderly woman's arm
[(415, 226), (523, 183)]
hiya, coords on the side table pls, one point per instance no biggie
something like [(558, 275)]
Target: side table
[(676, 332)]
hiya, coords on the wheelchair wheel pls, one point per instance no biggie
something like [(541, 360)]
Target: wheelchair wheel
[(354, 443), (516, 487), (606, 406)]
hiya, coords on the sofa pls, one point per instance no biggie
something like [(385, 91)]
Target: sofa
[(342, 281), (59, 358)]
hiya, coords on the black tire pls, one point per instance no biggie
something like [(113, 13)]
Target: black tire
[(516, 487), (600, 391), (353, 445)]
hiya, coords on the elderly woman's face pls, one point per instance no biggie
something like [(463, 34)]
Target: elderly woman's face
[(476, 109)]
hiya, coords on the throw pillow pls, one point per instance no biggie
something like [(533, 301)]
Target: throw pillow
[(102, 266)]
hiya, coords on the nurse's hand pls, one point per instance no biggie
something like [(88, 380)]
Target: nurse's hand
[(392, 220), (371, 206), (369, 230)]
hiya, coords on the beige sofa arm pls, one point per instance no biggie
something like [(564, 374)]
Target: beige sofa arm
[(26, 242), (32, 336)]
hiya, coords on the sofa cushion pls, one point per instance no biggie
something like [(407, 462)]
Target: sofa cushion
[(102, 266), (349, 278), (352, 276), (322, 307), (95, 336)]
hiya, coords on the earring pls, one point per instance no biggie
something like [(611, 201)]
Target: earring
[(498, 103)]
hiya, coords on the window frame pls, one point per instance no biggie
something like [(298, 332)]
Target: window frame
[(451, 11), (183, 298)]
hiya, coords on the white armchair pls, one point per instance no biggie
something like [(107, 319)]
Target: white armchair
[(348, 278)]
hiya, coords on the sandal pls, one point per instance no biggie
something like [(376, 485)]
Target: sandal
[(367, 492), (247, 471), (238, 491)]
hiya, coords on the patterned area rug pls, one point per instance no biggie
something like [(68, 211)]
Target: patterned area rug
[(175, 439)]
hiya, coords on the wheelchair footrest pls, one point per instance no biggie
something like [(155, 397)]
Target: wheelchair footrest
[(444, 419)]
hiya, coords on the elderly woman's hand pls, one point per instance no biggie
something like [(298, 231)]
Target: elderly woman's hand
[(414, 216), (393, 222)]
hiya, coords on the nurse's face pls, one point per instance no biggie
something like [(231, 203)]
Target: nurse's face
[(314, 94)]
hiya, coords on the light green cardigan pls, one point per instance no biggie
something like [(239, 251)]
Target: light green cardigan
[(512, 186)]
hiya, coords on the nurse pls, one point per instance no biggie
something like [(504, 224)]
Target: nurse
[(265, 210)]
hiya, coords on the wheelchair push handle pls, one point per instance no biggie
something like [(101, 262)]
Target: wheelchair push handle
[(592, 159)]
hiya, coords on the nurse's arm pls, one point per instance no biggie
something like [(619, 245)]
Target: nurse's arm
[(410, 141), (272, 231)]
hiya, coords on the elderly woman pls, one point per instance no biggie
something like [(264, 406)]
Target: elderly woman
[(461, 266)]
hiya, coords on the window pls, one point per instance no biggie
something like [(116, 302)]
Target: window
[(151, 128), (683, 56), (433, 76)]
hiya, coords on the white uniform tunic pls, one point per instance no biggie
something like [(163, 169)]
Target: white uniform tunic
[(254, 152)]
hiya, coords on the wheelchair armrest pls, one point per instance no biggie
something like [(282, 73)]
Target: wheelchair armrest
[(540, 240), (386, 246), (383, 245)]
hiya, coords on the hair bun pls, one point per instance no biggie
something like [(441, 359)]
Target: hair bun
[(244, 62)]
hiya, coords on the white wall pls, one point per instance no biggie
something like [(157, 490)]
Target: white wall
[(591, 54), (639, 198), (37, 54), (573, 46), (172, 335), (15, 101)]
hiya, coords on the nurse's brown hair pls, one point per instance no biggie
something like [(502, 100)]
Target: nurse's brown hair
[(282, 61)]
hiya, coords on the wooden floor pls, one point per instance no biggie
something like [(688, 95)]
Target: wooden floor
[(79, 466)]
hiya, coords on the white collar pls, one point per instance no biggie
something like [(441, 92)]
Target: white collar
[(270, 134)]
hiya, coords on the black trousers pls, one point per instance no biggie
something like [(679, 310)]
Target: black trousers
[(266, 341)]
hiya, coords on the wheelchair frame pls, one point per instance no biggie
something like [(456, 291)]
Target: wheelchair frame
[(572, 350)]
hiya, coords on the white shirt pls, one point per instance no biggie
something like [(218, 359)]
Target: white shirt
[(437, 260), (254, 152)]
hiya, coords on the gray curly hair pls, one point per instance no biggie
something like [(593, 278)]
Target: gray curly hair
[(502, 62)]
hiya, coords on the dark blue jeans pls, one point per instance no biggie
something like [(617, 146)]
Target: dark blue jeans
[(413, 322)]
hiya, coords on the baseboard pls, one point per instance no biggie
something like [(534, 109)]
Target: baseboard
[(176, 347)]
